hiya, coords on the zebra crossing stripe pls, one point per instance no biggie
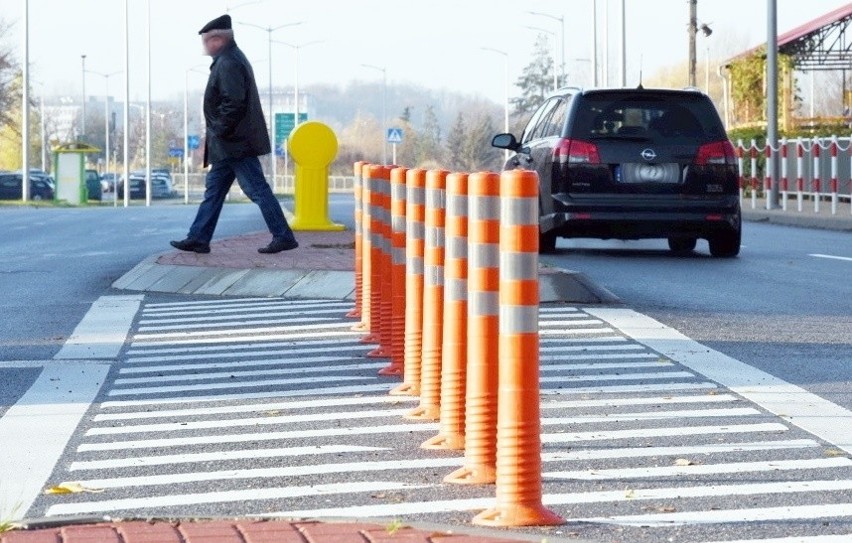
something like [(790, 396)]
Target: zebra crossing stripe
[(220, 386), (657, 400), (699, 469), (640, 433), (162, 443), (551, 500), (841, 538), (550, 368), (598, 356), (229, 314), (571, 340), (651, 415), (616, 377), (235, 423), (210, 305), (761, 514), (547, 323), (217, 456), (251, 408), (623, 389), (245, 322), (251, 494), (237, 371), (277, 394), (136, 350), (421, 463), (569, 331), (591, 348), (795, 404), (268, 329), (240, 363), (254, 337)]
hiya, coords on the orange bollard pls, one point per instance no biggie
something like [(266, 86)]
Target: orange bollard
[(454, 341), (480, 450), (518, 403), (415, 215), (366, 250), (381, 277), (372, 187), (359, 217), (386, 303), (397, 275), (433, 299)]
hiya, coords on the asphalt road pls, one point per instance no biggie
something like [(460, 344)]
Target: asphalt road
[(775, 307)]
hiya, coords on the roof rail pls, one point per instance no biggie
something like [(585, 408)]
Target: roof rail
[(693, 89)]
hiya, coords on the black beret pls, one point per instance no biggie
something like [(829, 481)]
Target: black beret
[(219, 23)]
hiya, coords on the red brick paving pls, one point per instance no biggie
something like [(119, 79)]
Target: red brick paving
[(243, 531), (316, 251)]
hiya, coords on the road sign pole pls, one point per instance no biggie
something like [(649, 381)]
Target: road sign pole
[(393, 161)]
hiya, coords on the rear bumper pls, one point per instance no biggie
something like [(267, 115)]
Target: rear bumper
[(690, 219)]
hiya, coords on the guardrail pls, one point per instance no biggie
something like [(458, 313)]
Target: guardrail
[(818, 170)]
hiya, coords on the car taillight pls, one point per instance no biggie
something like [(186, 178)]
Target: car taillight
[(569, 151), (718, 152)]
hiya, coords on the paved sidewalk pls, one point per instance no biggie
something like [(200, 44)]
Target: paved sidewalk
[(807, 218), (253, 531)]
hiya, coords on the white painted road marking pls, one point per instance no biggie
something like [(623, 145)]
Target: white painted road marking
[(832, 257), (102, 332), (794, 404)]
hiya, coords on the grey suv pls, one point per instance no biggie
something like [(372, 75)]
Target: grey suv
[(631, 164)]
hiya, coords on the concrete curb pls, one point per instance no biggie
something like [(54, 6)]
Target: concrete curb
[(555, 284)]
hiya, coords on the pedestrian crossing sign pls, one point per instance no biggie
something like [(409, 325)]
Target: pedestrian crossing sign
[(394, 135)]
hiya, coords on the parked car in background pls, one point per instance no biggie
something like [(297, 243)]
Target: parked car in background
[(93, 184), (108, 181), (161, 185), (11, 185), (631, 164)]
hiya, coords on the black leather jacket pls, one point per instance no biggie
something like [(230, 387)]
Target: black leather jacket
[(236, 127)]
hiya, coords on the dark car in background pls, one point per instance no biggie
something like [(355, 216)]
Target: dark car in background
[(108, 181), (631, 164), (11, 185), (161, 184), (93, 184)]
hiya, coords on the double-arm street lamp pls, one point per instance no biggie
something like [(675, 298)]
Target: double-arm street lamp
[(506, 94), (561, 20), (186, 129), (384, 108), (552, 35), (272, 157), (106, 124)]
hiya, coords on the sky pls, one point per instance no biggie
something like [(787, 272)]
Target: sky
[(435, 43)]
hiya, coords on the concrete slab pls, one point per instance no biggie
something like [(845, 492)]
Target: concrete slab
[(136, 272), (221, 282), (265, 283), (176, 279), (329, 284), (149, 277), (559, 285), (201, 277)]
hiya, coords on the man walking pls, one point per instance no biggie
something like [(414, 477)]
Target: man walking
[(236, 136)]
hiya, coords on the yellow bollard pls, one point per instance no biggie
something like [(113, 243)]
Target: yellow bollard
[(313, 146)]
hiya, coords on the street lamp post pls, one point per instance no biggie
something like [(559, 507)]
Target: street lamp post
[(126, 104), (83, 122), (552, 35), (561, 20), (186, 130), (384, 108), (295, 48), (106, 123), (506, 92), (25, 110), (272, 157)]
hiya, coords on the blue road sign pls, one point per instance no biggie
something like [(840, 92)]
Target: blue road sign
[(175, 152), (394, 135), (193, 141)]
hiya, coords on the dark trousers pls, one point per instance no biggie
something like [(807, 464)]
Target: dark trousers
[(249, 175)]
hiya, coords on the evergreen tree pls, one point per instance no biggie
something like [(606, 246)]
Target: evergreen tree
[(429, 140), (455, 147), (536, 80), (477, 151)]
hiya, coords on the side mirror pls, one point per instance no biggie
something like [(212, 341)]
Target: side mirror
[(505, 141)]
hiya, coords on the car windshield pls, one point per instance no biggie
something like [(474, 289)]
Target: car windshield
[(671, 117)]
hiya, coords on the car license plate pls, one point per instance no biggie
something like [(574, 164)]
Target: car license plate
[(649, 173)]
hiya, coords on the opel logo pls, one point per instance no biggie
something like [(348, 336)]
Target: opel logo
[(649, 154)]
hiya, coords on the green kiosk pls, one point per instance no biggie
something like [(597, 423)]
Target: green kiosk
[(69, 166)]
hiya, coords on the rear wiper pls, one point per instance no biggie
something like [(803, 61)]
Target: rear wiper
[(622, 137)]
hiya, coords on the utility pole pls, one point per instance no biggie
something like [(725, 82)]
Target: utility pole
[(693, 29), (772, 95)]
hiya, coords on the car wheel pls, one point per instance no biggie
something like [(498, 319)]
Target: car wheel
[(547, 242), (37, 197), (725, 244), (682, 245)]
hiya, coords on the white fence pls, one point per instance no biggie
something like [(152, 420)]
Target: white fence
[(818, 170), (193, 189)]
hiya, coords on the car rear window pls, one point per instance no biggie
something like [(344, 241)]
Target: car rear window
[(663, 117)]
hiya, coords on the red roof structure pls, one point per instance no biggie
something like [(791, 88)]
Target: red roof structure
[(820, 44)]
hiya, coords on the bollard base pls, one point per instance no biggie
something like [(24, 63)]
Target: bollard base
[(405, 389), (379, 352), (394, 368), (354, 314), (370, 338), (301, 226), (473, 475), (360, 327), (424, 412), (445, 442), (506, 515)]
